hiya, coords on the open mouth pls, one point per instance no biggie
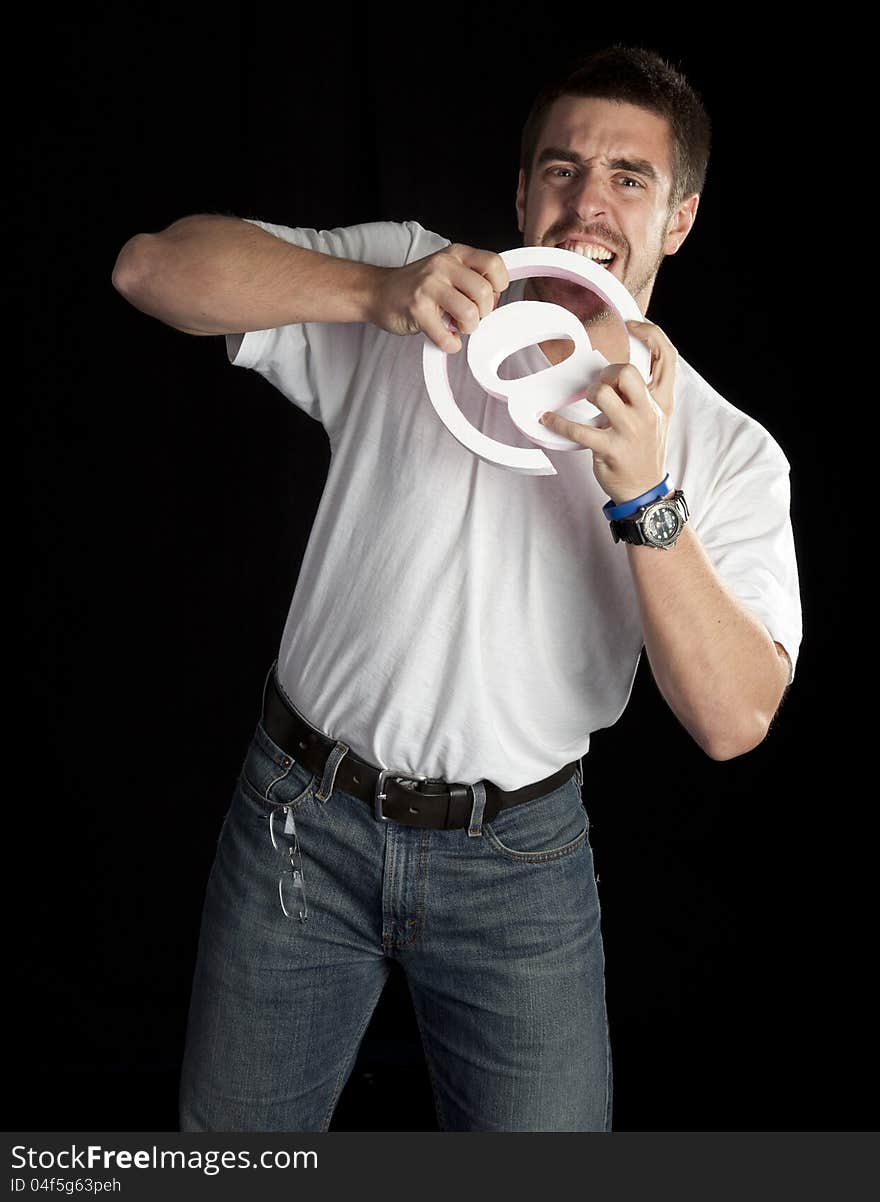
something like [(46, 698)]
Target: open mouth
[(590, 250)]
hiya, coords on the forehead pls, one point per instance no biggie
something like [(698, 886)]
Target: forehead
[(614, 129)]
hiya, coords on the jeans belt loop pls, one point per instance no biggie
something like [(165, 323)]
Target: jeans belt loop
[(478, 792), (328, 780)]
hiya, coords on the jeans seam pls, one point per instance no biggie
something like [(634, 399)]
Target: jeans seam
[(421, 877), (438, 1106), (348, 1064), (415, 925), (387, 903), (608, 1069)]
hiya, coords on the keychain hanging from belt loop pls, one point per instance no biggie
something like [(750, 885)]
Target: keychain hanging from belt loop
[(291, 885)]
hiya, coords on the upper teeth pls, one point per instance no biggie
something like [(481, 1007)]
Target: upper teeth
[(588, 250)]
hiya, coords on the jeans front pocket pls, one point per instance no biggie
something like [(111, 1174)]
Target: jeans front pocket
[(272, 779), (543, 829), (273, 787)]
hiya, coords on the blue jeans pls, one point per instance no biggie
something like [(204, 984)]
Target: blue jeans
[(497, 930)]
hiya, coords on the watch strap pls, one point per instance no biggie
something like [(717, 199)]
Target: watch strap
[(626, 530)]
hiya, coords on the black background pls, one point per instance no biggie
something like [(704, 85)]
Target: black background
[(168, 498)]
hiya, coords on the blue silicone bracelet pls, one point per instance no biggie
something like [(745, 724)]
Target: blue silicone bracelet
[(628, 508)]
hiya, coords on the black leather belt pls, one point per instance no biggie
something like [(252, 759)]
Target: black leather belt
[(412, 801)]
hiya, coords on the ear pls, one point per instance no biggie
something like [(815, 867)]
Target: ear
[(521, 201), (680, 224)]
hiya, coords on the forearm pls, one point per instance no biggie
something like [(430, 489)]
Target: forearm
[(714, 662), (220, 275)]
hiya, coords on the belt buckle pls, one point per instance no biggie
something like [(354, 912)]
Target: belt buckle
[(380, 794)]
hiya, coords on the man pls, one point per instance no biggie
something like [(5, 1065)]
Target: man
[(412, 790)]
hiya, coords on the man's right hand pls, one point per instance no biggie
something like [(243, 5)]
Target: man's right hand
[(458, 280)]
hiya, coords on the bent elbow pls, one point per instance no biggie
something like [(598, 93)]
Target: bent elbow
[(730, 744), (129, 266)]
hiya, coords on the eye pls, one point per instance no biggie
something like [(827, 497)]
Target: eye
[(628, 179), (554, 170)]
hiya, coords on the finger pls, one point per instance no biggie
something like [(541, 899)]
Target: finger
[(663, 355), (440, 333), (486, 263), (587, 436), (606, 398), (461, 308), (627, 383), (478, 288)]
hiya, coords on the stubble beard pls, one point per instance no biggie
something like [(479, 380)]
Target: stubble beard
[(589, 308)]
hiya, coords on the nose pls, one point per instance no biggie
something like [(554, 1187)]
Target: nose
[(588, 197)]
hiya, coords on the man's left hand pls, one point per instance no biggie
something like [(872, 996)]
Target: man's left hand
[(629, 450)]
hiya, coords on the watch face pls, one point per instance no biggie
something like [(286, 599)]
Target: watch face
[(662, 524)]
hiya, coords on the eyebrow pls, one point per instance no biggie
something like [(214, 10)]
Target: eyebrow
[(638, 166)]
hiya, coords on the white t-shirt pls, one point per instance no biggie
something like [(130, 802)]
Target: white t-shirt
[(457, 620)]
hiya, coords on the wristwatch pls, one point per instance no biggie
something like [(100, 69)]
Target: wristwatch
[(656, 525)]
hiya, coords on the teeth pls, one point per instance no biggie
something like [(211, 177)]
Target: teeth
[(588, 251)]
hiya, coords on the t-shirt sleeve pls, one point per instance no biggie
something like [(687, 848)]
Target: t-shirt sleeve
[(313, 363), (747, 533)]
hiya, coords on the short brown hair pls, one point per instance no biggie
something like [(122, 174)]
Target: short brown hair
[(640, 77)]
